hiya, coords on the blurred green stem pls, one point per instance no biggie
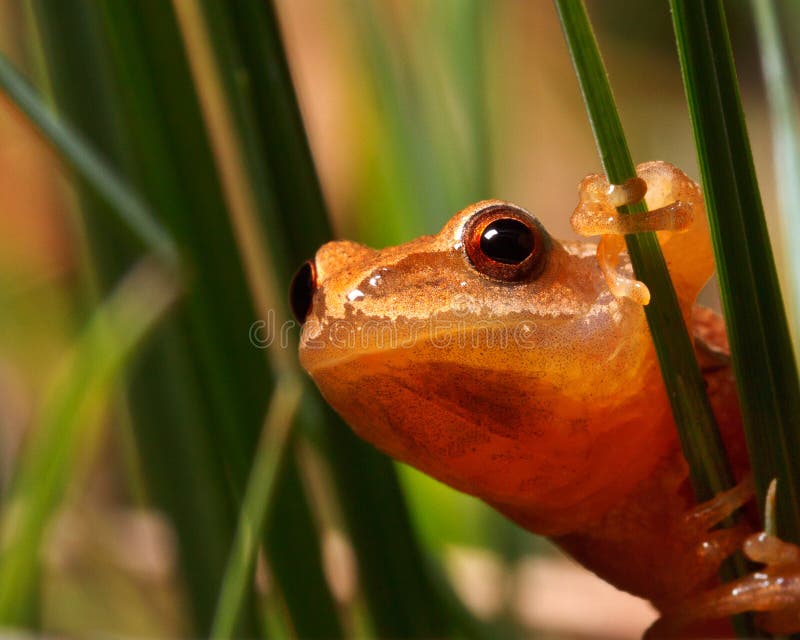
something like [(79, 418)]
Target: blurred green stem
[(79, 155), (237, 164), (782, 101), (69, 425), (214, 58), (257, 500)]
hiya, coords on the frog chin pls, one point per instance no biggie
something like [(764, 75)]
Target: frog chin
[(518, 442)]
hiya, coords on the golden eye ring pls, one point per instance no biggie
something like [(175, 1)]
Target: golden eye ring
[(506, 243)]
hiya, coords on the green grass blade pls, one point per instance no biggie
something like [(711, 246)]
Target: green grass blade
[(702, 445), (763, 356), (784, 116), (410, 175), (214, 57), (253, 514), (56, 27), (203, 378), (280, 132), (463, 26), (82, 158), (177, 162), (215, 67), (69, 426), (425, 65), (202, 354), (169, 386)]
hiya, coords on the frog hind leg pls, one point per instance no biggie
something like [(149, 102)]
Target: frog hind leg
[(677, 214), (772, 592)]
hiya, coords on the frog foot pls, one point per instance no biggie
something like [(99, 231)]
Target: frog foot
[(596, 214), (773, 591), (621, 286)]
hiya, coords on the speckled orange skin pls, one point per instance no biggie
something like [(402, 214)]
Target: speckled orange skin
[(541, 397)]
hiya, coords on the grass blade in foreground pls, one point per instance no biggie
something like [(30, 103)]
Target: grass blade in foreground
[(761, 346), (219, 376), (179, 465), (214, 59), (697, 427), (784, 116), (69, 424), (254, 511)]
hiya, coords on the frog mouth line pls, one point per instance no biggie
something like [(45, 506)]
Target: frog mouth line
[(348, 347)]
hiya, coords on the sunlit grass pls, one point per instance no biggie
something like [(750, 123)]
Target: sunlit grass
[(700, 439), (761, 346)]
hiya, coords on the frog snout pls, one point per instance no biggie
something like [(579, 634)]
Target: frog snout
[(335, 263)]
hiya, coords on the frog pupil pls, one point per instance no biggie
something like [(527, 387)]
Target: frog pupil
[(507, 240), (301, 292)]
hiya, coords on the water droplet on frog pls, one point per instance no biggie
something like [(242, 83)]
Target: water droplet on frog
[(354, 295)]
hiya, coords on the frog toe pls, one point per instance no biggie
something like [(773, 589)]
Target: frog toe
[(621, 285), (596, 213), (771, 592)]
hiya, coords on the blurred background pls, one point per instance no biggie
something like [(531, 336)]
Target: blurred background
[(413, 110)]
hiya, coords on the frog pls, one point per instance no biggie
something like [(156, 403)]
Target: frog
[(519, 369)]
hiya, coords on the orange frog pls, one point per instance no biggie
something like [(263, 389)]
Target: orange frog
[(520, 369)]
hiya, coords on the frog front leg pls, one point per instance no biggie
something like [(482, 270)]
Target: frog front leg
[(773, 592), (676, 213)]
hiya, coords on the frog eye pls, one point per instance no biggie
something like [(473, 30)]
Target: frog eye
[(506, 243), (301, 291)]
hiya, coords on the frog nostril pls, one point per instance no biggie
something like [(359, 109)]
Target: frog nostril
[(301, 291)]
